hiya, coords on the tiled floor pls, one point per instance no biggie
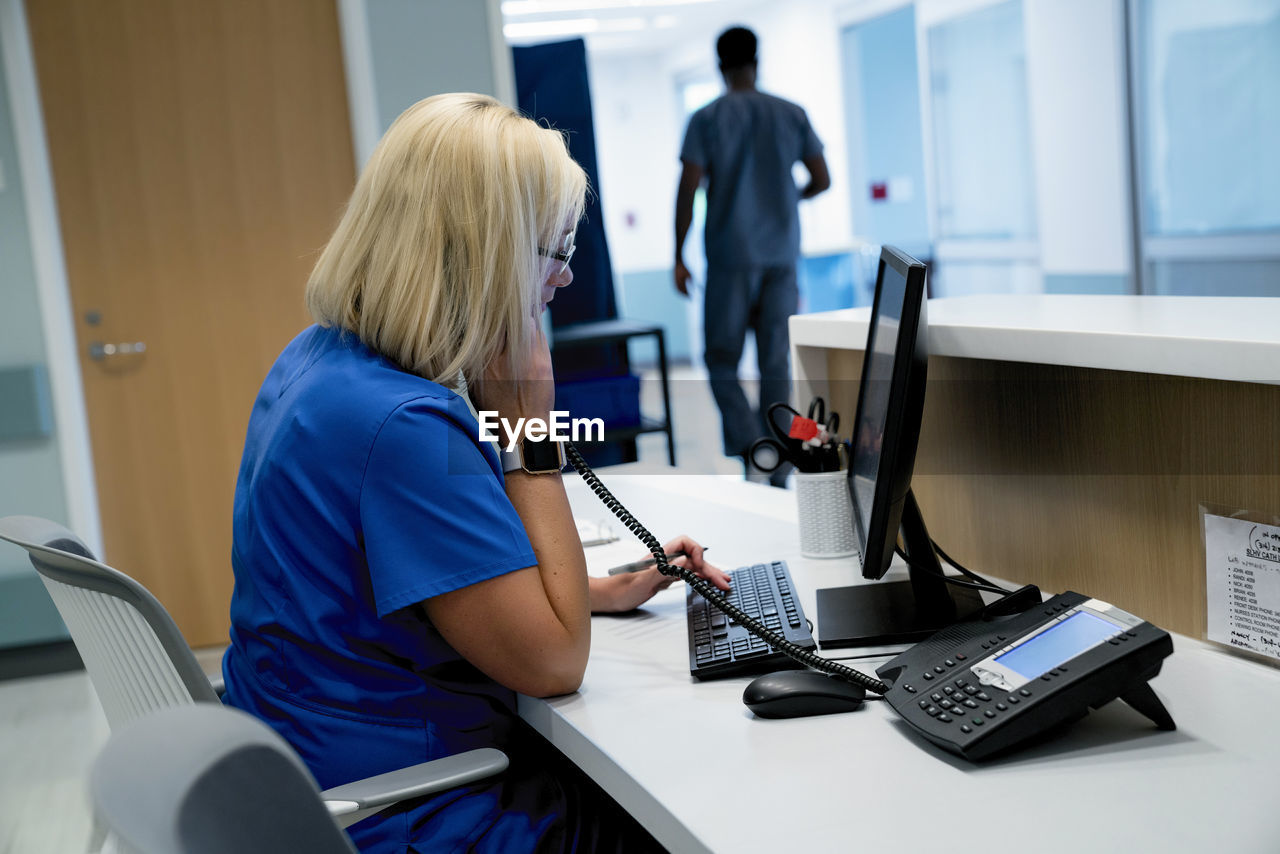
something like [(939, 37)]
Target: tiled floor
[(51, 727), (696, 421)]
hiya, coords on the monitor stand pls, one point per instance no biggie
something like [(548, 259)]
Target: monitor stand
[(880, 613)]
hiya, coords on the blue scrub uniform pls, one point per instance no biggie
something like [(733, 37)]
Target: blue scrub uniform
[(363, 491)]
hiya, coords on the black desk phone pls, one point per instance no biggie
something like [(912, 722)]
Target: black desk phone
[(987, 685), (981, 687)]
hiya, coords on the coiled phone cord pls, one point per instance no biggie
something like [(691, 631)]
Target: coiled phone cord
[(709, 592)]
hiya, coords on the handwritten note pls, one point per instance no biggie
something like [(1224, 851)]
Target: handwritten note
[(1242, 567)]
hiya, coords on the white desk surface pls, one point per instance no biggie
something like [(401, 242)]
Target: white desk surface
[(1224, 338), (698, 769)]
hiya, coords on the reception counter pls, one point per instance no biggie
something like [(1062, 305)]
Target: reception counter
[(703, 774), (1070, 441)]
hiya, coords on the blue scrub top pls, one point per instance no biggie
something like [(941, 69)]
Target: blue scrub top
[(746, 144), (362, 492)]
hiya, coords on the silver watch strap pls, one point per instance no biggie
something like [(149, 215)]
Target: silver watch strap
[(511, 460)]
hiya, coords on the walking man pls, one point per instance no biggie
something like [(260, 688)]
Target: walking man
[(744, 145)]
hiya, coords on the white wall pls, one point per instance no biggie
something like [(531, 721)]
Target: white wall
[(637, 149), (397, 52), (800, 61)]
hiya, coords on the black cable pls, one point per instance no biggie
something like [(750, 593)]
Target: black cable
[(710, 593), (950, 579), (949, 559)]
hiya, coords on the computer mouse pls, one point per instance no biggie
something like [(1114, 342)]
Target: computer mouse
[(798, 693)]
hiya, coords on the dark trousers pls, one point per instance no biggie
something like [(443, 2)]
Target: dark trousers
[(542, 804), (761, 299)]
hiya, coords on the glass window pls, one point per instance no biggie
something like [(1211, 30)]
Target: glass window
[(1208, 86), (1238, 278), (963, 278), (31, 465), (882, 128), (981, 132)]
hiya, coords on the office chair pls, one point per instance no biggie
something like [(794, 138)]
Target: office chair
[(139, 663), (206, 779)]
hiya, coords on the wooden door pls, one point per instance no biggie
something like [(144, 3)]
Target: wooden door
[(201, 152)]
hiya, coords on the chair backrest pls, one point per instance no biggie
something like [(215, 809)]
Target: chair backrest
[(136, 657), (205, 779)]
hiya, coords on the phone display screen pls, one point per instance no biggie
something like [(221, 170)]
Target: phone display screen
[(1058, 645)]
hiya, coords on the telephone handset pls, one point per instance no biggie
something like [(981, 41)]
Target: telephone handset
[(990, 684)]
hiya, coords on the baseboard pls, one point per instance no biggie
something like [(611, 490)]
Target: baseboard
[(39, 659)]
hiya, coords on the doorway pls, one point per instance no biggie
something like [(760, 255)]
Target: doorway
[(201, 153)]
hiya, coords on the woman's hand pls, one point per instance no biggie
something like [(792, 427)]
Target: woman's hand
[(529, 394), (619, 593)]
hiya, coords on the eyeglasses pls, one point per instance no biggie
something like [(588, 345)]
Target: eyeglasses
[(563, 255)]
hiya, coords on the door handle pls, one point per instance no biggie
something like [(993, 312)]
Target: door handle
[(99, 351)]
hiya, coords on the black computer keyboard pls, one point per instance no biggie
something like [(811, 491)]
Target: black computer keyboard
[(720, 647)]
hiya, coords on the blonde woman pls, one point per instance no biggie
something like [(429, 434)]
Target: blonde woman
[(395, 586)]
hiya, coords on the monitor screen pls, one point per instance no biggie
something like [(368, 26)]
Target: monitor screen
[(873, 401), (890, 405)]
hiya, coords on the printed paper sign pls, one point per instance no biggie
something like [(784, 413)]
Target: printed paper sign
[(1242, 571)]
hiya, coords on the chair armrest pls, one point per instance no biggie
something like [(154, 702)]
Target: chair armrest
[(374, 793)]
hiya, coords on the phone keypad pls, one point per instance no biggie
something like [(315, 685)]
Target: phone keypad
[(963, 701)]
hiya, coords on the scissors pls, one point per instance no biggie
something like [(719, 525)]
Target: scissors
[(826, 457), (768, 454), (818, 413), (818, 410)]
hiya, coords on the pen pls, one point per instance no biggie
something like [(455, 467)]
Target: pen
[(644, 564)]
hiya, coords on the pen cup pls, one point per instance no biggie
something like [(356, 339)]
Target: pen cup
[(826, 514)]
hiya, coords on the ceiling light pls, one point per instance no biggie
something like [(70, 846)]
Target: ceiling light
[(514, 8), (622, 25), (537, 29), (573, 27)]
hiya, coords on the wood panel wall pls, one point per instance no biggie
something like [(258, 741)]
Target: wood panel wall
[(1086, 480)]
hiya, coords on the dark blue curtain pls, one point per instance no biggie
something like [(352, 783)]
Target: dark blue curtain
[(552, 89)]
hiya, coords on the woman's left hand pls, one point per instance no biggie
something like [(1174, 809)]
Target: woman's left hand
[(618, 593)]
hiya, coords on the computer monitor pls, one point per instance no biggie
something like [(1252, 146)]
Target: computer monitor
[(886, 432)]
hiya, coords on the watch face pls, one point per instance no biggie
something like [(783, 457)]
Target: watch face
[(542, 456)]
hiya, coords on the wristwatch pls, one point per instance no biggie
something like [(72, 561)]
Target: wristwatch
[(536, 457)]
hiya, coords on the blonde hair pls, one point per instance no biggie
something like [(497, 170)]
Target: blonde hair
[(435, 263)]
